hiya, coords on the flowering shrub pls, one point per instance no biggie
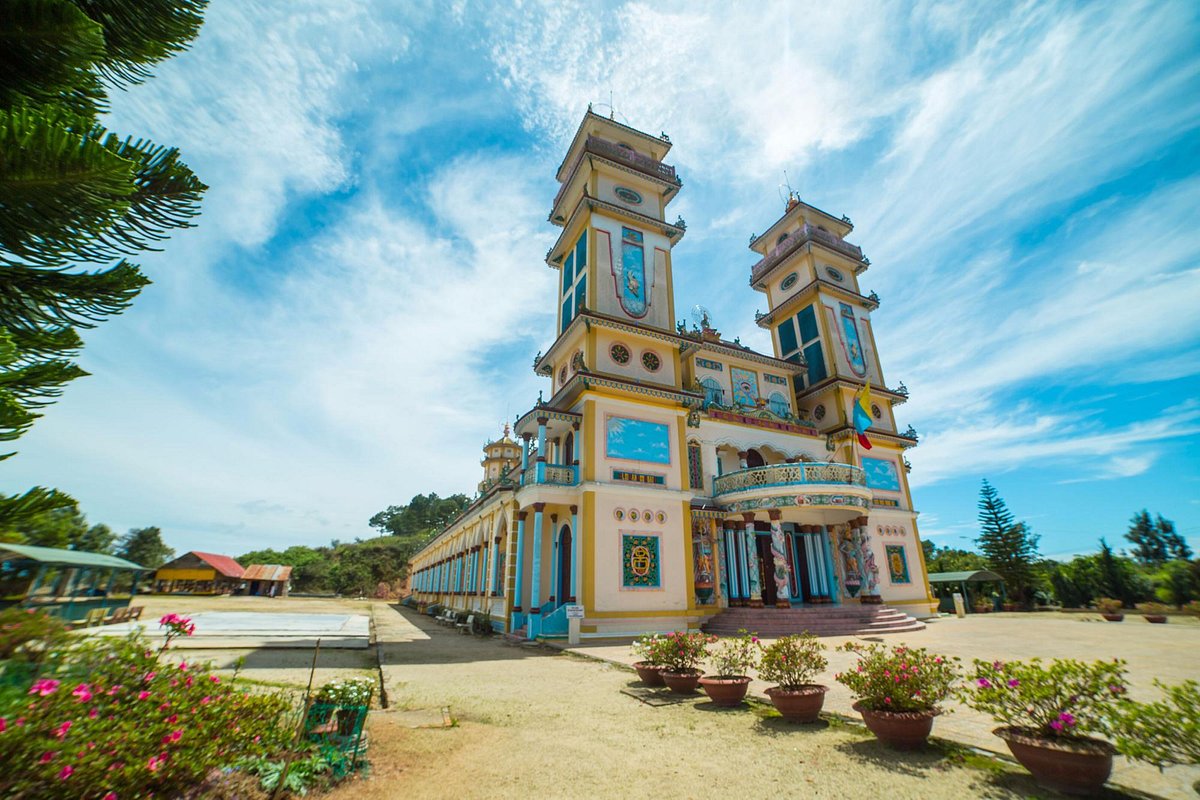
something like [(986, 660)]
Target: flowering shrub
[(348, 692), (899, 678), (735, 656), (1107, 605), (679, 651), (1193, 608), (1164, 732), (792, 661), (1064, 699), (648, 648), (1152, 608), (107, 719), (26, 633)]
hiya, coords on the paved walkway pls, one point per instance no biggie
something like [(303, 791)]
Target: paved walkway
[(1167, 652)]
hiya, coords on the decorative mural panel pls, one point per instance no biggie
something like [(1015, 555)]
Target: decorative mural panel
[(881, 474), (632, 283), (769, 378), (638, 477), (851, 342), (745, 386), (713, 365), (638, 440), (695, 468), (702, 568), (897, 563), (757, 503), (640, 566)]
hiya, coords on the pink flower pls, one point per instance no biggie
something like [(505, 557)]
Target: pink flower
[(1057, 726), (1014, 683), (205, 700), (65, 772), (93, 713), (61, 730), (172, 737), (110, 796), (44, 687), (82, 693), (171, 720), (887, 700), (1067, 719), (149, 676), (984, 683), (114, 690), (152, 764), (214, 679), (142, 695), (46, 758), (183, 666), (3, 724)]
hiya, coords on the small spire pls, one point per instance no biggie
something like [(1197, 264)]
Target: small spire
[(506, 430)]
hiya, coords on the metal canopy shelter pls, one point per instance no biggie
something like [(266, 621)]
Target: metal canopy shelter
[(66, 583)]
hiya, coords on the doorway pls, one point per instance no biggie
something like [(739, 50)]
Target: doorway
[(766, 568), (563, 592), (754, 459)]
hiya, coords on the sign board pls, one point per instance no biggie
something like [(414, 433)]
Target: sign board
[(960, 608), (574, 612)]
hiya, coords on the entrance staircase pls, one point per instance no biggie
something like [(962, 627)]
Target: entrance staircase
[(771, 623)]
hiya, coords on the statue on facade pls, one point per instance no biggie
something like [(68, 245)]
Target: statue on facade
[(850, 561)]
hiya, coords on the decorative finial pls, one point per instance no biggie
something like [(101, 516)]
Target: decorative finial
[(506, 430), (539, 397)]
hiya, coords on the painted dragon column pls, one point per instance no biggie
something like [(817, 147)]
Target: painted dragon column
[(750, 536), (779, 555)]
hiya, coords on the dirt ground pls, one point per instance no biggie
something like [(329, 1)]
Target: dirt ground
[(530, 722)]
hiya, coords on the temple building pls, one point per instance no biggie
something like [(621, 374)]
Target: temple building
[(674, 478)]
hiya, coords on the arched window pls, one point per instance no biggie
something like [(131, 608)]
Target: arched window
[(779, 405), (713, 393)]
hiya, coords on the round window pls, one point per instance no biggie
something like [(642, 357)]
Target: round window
[(789, 281), (628, 195), (836, 274), (819, 412), (619, 353), (651, 361)]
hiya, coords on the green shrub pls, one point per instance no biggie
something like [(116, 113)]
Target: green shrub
[(736, 655), (792, 661), (648, 648), (899, 678), (1151, 609), (347, 692), (1164, 732), (680, 651), (1063, 699), (27, 634), (108, 719), (1107, 605)]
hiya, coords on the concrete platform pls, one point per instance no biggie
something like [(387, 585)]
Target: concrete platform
[(244, 630)]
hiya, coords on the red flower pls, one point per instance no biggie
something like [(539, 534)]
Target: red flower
[(65, 772)]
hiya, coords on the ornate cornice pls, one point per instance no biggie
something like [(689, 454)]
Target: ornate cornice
[(817, 284)]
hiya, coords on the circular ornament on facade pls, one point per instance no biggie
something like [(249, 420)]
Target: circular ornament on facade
[(633, 515), (834, 273), (651, 361), (875, 412), (789, 281), (661, 517), (819, 413), (619, 514), (619, 353), (628, 195)]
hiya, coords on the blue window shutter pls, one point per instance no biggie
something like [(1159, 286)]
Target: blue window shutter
[(807, 320), (787, 337)]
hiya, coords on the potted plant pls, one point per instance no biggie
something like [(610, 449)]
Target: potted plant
[(733, 658), (1153, 612), (1110, 609), (681, 653), (649, 668), (350, 698), (898, 691), (1164, 732), (1048, 710), (791, 663)]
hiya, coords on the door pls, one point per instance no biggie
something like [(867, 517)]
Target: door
[(564, 566), (766, 568)]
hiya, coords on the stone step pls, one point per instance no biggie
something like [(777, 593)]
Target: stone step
[(825, 621)]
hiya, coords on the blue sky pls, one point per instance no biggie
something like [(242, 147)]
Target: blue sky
[(1024, 178)]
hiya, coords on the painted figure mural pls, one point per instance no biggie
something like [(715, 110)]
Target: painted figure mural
[(897, 563), (703, 572), (870, 572), (851, 566), (779, 554), (854, 351), (631, 289), (745, 386)]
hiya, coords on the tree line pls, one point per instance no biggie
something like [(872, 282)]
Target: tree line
[(1158, 565), (370, 566), (67, 528)]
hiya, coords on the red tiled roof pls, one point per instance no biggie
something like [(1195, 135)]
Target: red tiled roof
[(267, 572), (222, 564)]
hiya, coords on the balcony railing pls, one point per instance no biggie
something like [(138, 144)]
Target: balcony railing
[(788, 475), (807, 233), (550, 474)]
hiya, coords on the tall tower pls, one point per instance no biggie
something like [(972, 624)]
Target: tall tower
[(499, 458)]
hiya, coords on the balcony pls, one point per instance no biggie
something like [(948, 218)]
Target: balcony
[(844, 478), (625, 156), (807, 233), (550, 475)]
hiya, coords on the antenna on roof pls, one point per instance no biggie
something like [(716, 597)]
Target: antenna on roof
[(791, 193), (612, 112)]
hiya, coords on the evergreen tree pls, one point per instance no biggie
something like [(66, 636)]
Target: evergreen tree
[(1149, 546), (424, 514), (1009, 547), (1177, 546), (75, 199), (144, 546)]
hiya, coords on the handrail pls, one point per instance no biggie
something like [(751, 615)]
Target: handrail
[(807, 233), (788, 475), (550, 474)]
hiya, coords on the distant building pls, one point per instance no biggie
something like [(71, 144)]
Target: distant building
[(674, 478), (199, 573), (266, 580), (69, 584)]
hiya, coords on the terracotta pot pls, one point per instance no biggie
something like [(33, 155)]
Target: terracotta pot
[(1157, 618), (683, 682), (649, 674), (1011, 606), (724, 690), (1078, 766), (799, 703), (899, 730), (1113, 617)]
